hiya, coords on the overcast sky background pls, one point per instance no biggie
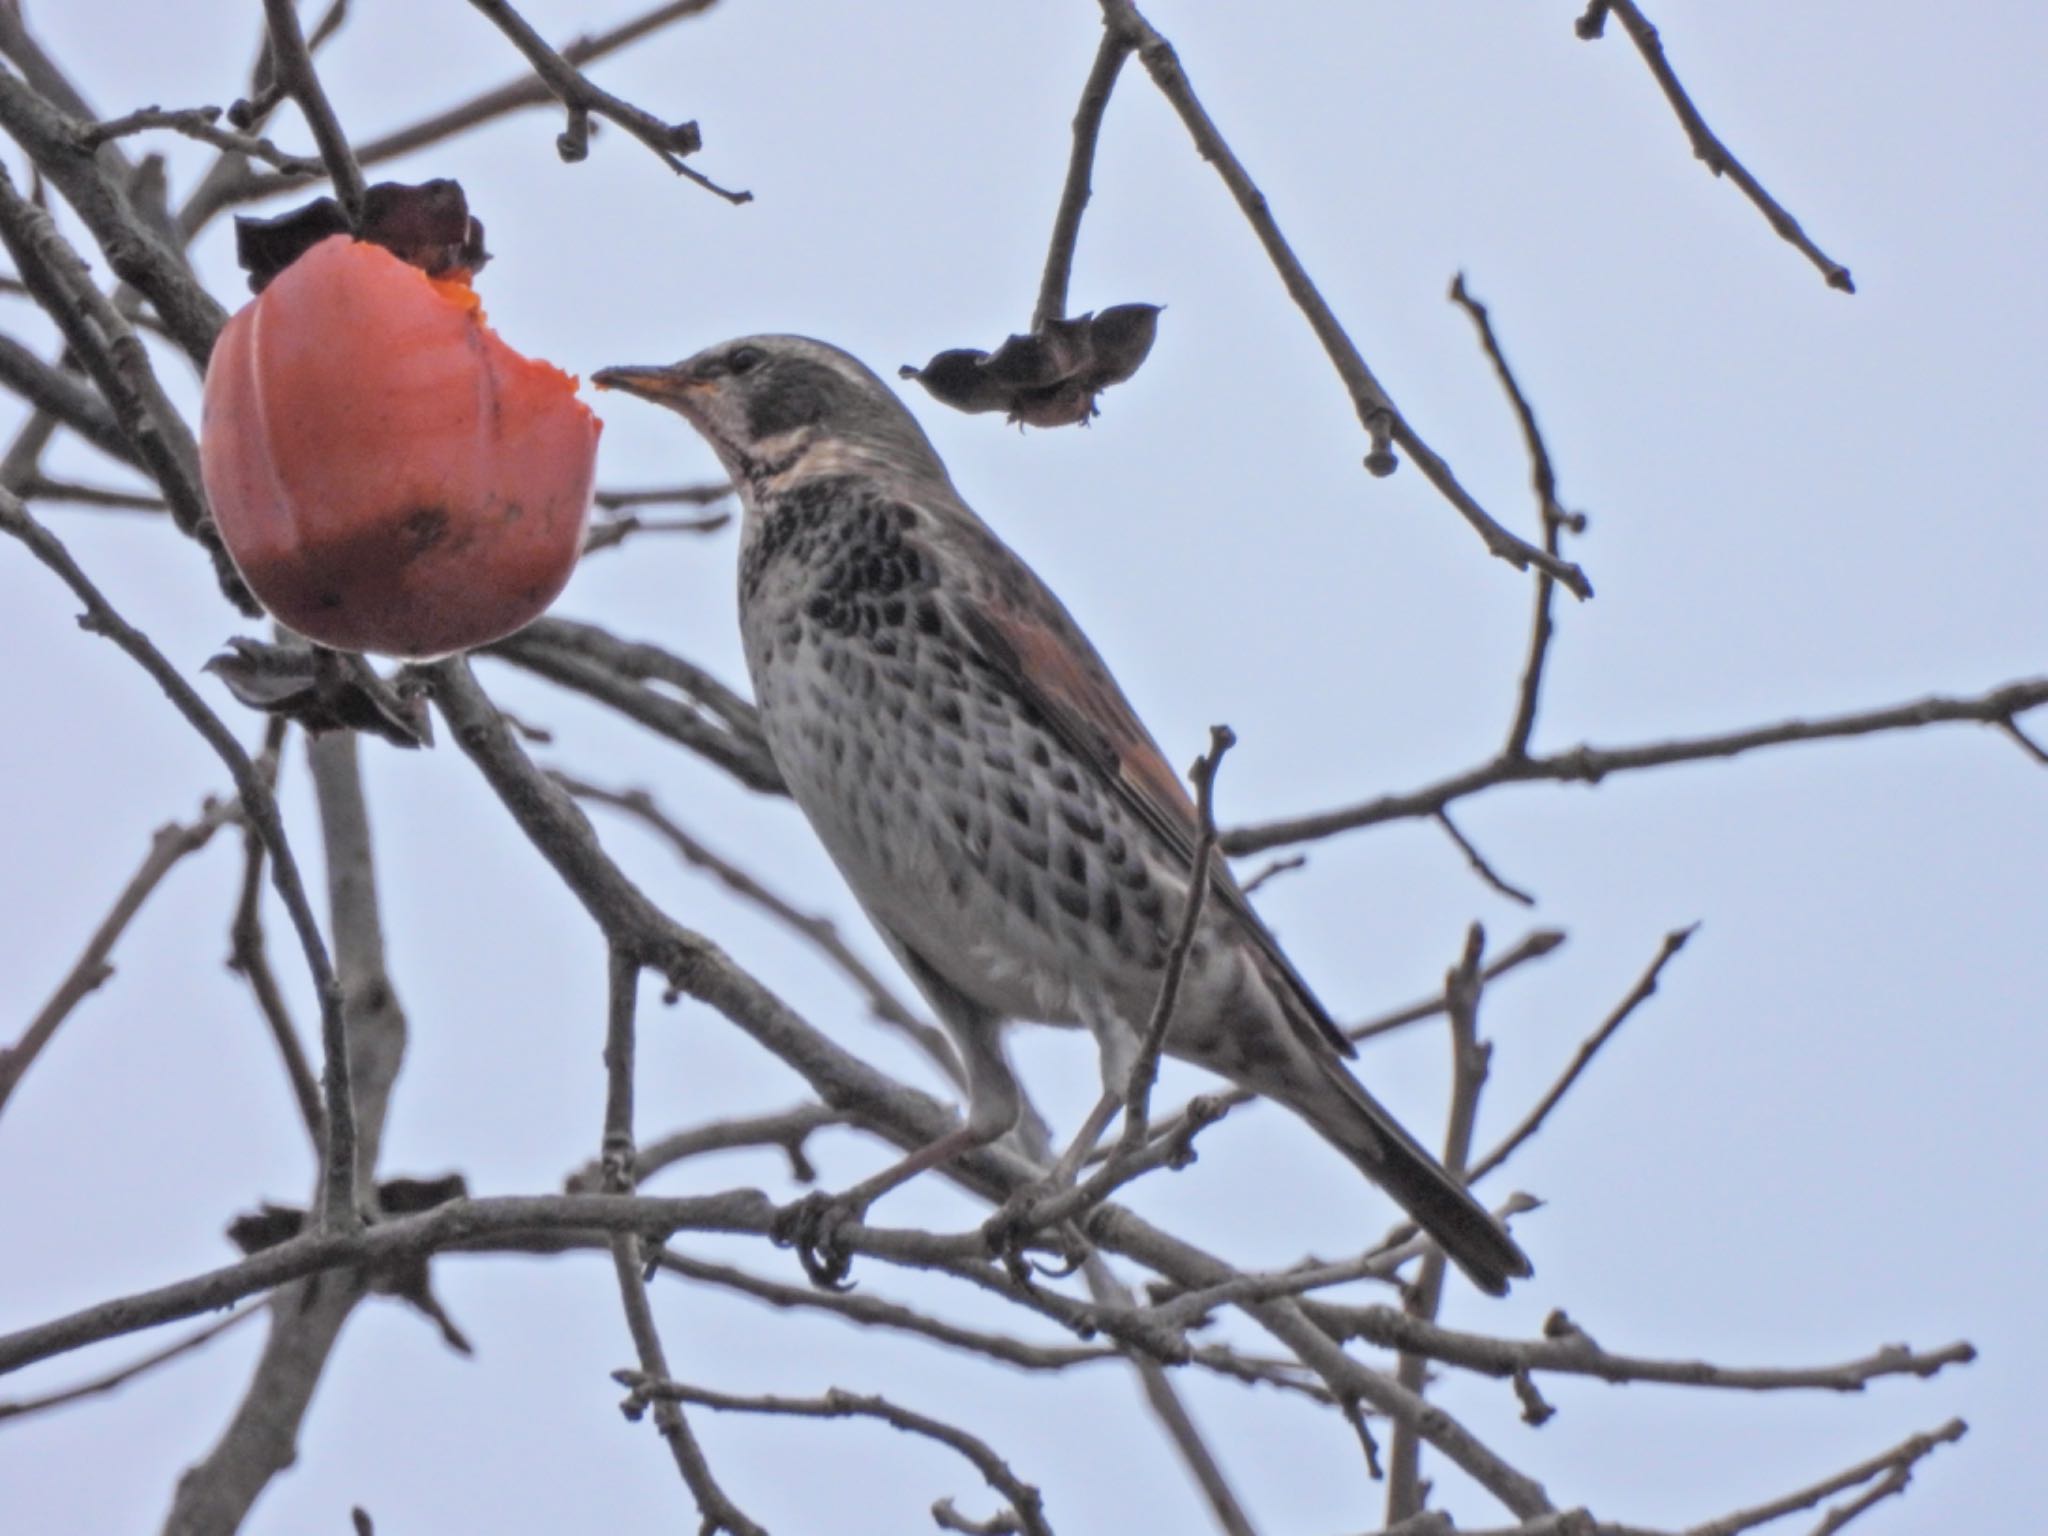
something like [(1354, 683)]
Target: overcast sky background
[(1823, 1134)]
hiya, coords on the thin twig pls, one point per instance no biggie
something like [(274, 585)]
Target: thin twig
[(1704, 143), (710, 719), (616, 1158), (1066, 224), (58, 393), (1533, 946), (1462, 988), (1589, 764), (128, 1372), (249, 958), (1901, 1458), (610, 532), (874, 1312), (1383, 423), (293, 66), (836, 1404), (1588, 1049), (41, 488), (339, 1206), (1552, 517), (201, 123), (669, 141), (170, 844), (703, 495), (233, 185), (818, 931), (1477, 860), (787, 1129), (1145, 1064)]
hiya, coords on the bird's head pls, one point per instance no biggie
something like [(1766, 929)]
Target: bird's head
[(776, 406)]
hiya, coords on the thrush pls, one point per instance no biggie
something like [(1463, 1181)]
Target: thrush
[(990, 796)]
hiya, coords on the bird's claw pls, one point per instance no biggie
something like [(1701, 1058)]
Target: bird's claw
[(1015, 1223), (812, 1227)]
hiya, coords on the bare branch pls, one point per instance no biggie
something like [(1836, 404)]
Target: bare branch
[(669, 141), (1589, 764), (201, 123), (1463, 984), (261, 1438), (1376, 411), (1704, 143), (873, 1312), (1553, 518), (662, 496), (1145, 1065), (1588, 1049), (41, 488), (1533, 946), (260, 806), (249, 958), (710, 719), (787, 1129), (1895, 1466), (1066, 224), (64, 395), (1477, 860), (818, 931), (292, 64), (616, 1159), (1567, 1350), (610, 532), (171, 843), (113, 1380), (236, 185), (836, 1404)]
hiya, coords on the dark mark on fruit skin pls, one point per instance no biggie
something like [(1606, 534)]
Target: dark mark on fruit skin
[(329, 599), (424, 528), (513, 512)]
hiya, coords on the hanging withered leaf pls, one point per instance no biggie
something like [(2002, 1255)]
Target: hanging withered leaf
[(1050, 377), (427, 225), (322, 690)]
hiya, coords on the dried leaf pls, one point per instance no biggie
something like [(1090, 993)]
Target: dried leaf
[(322, 690), (1049, 378)]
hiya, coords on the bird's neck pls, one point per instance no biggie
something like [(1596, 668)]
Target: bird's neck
[(773, 467)]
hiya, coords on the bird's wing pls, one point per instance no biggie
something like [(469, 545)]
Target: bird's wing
[(1028, 641)]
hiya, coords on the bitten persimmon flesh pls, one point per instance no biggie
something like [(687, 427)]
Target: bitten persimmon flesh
[(387, 474)]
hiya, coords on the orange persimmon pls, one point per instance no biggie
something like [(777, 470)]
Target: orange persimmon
[(387, 474)]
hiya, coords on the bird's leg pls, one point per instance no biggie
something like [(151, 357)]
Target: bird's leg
[(1068, 1168), (811, 1225), (1009, 1228)]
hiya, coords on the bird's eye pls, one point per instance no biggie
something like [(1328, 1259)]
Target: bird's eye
[(745, 359)]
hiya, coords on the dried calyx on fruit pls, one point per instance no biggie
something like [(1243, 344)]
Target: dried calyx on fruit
[(387, 473), (1050, 377)]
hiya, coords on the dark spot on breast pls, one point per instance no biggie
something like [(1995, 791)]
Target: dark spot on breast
[(1082, 822), (1077, 864), (1072, 902), (1017, 806)]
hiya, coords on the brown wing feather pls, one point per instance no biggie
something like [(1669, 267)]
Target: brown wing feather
[(1029, 641)]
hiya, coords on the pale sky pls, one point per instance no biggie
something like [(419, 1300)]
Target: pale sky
[(1822, 1134)]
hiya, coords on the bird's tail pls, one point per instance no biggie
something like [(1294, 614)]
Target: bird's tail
[(1353, 1122)]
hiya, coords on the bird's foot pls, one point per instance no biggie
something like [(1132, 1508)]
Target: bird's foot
[(812, 1226), (1020, 1221)]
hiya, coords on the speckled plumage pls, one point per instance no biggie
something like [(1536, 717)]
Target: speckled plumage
[(974, 771)]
